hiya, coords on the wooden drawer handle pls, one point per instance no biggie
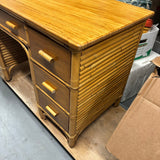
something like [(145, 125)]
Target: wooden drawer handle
[(54, 113), (11, 25), (49, 86), (46, 56)]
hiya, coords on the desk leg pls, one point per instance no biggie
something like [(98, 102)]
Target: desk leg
[(72, 141), (42, 114), (116, 104), (4, 69)]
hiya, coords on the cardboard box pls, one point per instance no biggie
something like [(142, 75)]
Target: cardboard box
[(146, 43), (137, 136)]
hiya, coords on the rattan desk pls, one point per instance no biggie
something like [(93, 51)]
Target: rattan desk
[(80, 54)]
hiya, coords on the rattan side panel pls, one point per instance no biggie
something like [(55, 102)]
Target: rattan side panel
[(11, 51), (104, 70)]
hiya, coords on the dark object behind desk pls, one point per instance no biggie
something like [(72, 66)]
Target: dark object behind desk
[(156, 8)]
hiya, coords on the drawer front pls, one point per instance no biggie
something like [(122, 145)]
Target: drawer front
[(53, 110), (13, 25), (54, 88), (48, 53)]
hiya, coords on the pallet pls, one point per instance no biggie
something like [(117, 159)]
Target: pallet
[(91, 143)]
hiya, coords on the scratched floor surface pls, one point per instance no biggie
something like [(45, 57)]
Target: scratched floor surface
[(22, 136)]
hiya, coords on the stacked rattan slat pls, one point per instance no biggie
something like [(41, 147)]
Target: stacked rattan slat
[(104, 69), (11, 53)]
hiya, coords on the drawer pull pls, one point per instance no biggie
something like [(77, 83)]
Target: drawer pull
[(11, 25), (49, 87), (54, 113), (46, 56)]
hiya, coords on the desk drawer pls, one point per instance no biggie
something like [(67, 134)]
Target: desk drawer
[(53, 110), (13, 25), (52, 56), (54, 88)]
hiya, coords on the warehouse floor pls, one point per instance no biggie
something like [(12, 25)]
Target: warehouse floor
[(17, 140)]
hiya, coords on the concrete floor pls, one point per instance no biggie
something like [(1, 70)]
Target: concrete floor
[(22, 136)]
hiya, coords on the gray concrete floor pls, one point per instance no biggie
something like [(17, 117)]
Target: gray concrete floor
[(22, 136)]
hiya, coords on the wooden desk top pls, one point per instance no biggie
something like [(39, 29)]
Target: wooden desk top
[(77, 23)]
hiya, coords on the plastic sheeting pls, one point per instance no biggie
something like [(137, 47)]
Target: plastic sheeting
[(140, 72)]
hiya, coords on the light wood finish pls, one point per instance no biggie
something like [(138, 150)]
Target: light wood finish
[(13, 25), (80, 55), (75, 63), (50, 110), (61, 118), (61, 95), (49, 86), (60, 66), (79, 24), (46, 56)]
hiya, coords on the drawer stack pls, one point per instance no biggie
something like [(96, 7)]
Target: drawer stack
[(74, 88), (50, 66)]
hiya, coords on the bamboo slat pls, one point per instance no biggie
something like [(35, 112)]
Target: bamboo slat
[(101, 83), (104, 71), (102, 56), (108, 42), (100, 76), (109, 85), (94, 111), (99, 96), (98, 54), (112, 62), (12, 52), (110, 54)]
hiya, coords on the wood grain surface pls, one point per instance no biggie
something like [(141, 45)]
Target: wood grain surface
[(77, 23)]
